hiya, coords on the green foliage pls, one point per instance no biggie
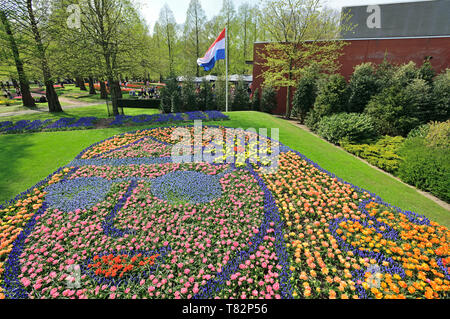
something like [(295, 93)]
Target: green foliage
[(175, 102), (420, 131), (256, 100), (332, 98), (426, 72), (189, 95), (421, 106), (206, 97), (385, 74), (170, 95), (305, 95), (363, 85), (404, 74), (352, 127), (391, 111), (220, 93), (441, 94), (383, 153), (425, 167), (438, 135), (241, 99), (268, 99)]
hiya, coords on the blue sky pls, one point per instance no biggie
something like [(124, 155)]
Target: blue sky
[(150, 8)]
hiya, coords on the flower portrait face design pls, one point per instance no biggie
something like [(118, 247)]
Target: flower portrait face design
[(123, 220)]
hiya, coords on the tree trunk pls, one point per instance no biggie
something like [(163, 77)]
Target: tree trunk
[(289, 89), (81, 84), (27, 99), (197, 42), (113, 90), (52, 97), (91, 86), (103, 91)]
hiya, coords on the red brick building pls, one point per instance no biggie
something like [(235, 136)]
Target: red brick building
[(396, 50), (402, 32)]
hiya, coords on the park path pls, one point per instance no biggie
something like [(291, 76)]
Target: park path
[(71, 104), (426, 194)]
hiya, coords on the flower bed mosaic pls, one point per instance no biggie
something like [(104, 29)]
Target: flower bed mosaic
[(124, 221), (68, 123)]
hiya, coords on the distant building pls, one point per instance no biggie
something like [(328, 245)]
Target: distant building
[(401, 32)]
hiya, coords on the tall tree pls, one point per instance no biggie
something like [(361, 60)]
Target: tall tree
[(32, 16), (193, 31), (228, 15), (113, 29), (27, 99), (304, 34), (168, 26)]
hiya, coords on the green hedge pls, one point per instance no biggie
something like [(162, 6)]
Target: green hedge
[(425, 167), (382, 154), (353, 127)]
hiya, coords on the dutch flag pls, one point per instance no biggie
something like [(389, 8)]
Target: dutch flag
[(214, 53)]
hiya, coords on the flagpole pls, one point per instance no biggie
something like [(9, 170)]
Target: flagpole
[(226, 67)]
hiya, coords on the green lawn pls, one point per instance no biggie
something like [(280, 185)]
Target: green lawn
[(27, 158)]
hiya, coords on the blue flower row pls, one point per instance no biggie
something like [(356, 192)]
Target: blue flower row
[(67, 123), (28, 126), (108, 224), (169, 117), (120, 161)]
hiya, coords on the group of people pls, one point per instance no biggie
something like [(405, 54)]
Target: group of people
[(146, 93), (6, 88)]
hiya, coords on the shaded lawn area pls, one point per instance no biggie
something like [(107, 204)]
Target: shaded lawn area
[(15, 108), (99, 111), (26, 159)]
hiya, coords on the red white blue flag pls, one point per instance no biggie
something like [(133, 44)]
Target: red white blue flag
[(215, 52)]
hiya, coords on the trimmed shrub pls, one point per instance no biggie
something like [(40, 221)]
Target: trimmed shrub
[(312, 120), (438, 135), (404, 74), (170, 95), (206, 97), (420, 131), (332, 96), (305, 95), (391, 110), (382, 154), (241, 99), (427, 168), (441, 95), (353, 127), (426, 72), (363, 85), (268, 99), (189, 96), (256, 100), (220, 94), (421, 106), (385, 74)]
